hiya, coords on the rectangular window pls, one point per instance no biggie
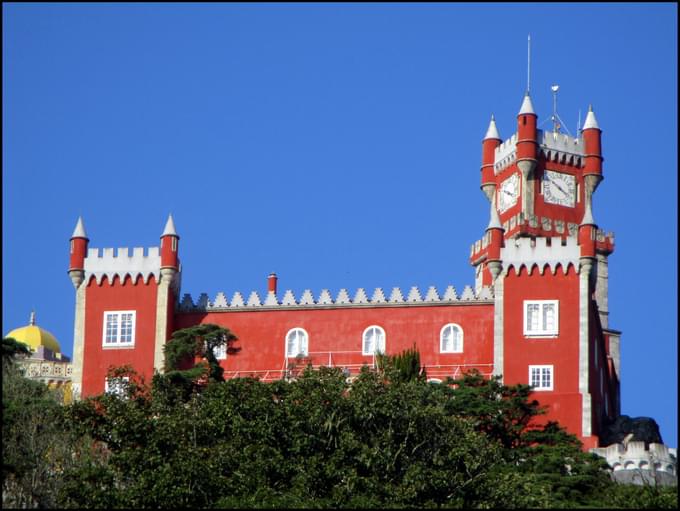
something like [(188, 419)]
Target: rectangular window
[(119, 329), (220, 352), (541, 318), (541, 377), (116, 386)]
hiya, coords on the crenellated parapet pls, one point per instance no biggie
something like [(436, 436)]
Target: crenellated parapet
[(633, 463), (604, 242), (505, 154), (556, 147), (541, 253), (324, 299), (123, 263)]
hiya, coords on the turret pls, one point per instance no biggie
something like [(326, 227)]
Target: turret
[(169, 246), (78, 251), (592, 145), (495, 231), (491, 141), (527, 149)]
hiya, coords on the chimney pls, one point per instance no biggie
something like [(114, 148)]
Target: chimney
[(271, 282)]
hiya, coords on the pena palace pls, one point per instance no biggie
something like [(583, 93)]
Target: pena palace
[(537, 314)]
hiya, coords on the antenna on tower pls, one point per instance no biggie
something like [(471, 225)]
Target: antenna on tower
[(528, 62), (557, 121), (578, 124)]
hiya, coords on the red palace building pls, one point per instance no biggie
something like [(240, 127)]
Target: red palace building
[(537, 315)]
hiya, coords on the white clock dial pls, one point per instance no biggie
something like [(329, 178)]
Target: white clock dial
[(559, 188), (508, 193)]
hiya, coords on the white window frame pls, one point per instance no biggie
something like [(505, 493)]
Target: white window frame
[(376, 349), (116, 386), (541, 331), (117, 343), (300, 349), (220, 351), (541, 368), (453, 349)]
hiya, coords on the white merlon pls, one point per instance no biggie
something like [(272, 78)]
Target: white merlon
[(378, 296), (343, 297), (396, 296), (253, 299), (122, 263), (485, 294), (591, 121), (360, 296), (307, 298), (325, 299), (505, 153), (559, 145), (492, 131), (237, 300), (526, 252), (414, 295), (468, 294), (450, 294), (186, 303), (203, 302), (79, 231), (169, 228), (432, 295), (271, 299), (527, 106), (288, 298), (220, 301)]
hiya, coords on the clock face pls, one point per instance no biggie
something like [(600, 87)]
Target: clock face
[(559, 188), (508, 193)]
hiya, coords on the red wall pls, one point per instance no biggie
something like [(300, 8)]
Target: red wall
[(562, 352), (114, 297), (262, 335)]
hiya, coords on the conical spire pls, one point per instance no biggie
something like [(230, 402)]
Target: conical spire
[(492, 132), (31, 320), (79, 231), (591, 121), (169, 227), (527, 107)]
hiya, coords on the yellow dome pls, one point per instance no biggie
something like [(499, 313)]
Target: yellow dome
[(35, 336)]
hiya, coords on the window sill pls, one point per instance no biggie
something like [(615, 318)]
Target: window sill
[(541, 336), (119, 347)]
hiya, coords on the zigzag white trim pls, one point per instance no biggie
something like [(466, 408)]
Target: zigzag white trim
[(325, 299)]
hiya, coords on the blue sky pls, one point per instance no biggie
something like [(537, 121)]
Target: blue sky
[(336, 144)]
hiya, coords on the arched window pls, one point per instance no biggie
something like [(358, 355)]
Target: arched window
[(373, 340), (451, 339), (297, 341)]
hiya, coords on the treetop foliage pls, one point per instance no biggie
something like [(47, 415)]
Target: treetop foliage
[(388, 439)]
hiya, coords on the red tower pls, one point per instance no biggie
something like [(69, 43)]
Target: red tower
[(124, 307), (549, 271)]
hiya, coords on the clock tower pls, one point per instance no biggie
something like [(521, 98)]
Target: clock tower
[(547, 262)]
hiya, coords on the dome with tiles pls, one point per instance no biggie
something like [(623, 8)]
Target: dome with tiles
[(34, 336)]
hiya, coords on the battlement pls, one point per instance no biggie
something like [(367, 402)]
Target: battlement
[(542, 252), (324, 299), (561, 147), (505, 154), (542, 226), (122, 263), (558, 147), (632, 459)]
